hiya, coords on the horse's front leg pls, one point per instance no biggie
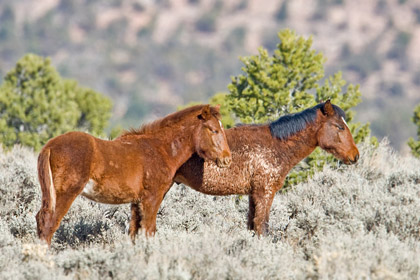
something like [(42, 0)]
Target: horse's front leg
[(149, 206), (137, 214), (260, 225), (259, 212)]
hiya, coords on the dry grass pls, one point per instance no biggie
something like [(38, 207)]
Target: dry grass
[(359, 221)]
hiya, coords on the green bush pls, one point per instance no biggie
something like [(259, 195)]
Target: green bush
[(37, 104), (225, 111), (287, 82), (413, 144)]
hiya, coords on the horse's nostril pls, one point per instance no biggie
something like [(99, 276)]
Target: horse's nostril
[(224, 162), (354, 160), (227, 161)]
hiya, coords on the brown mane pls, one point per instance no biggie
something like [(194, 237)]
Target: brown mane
[(169, 120)]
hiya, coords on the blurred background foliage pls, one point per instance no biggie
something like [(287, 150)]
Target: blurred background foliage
[(36, 104), (415, 144), (151, 56)]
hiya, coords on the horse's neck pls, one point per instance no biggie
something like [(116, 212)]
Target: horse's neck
[(177, 144), (180, 147), (298, 146)]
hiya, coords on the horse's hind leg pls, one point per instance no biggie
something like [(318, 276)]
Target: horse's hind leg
[(44, 221), (135, 221), (55, 207), (268, 208), (64, 201), (50, 221), (251, 213), (45, 216)]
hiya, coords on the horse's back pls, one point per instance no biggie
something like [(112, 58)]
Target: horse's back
[(68, 138), (75, 144), (71, 155), (248, 135)]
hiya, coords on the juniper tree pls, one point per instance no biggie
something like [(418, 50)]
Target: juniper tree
[(413, 144), (289, 81), (219, 99), (37, 104)]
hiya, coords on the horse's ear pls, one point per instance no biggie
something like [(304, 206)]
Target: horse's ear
[(205, 113), (328, 109), (217, 107)]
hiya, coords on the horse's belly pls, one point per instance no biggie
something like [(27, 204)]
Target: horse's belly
[(225, 181), (108, 193)]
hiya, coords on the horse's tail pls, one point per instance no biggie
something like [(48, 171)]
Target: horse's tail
[(45, 177)]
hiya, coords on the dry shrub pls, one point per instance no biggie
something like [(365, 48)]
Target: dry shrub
[(354, 222)]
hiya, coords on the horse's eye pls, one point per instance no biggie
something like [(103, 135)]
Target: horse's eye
[(214, 131), (340, 127)]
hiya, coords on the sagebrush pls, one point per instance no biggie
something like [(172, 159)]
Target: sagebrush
[(353, 222)]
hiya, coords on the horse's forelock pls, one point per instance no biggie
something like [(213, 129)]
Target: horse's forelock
[(339, 111), (215, 112)]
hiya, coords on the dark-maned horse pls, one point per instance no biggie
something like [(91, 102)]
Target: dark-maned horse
[(138, 167), (262, 155)]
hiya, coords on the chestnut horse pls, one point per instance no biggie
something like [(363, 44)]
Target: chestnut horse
[(138, 167), (262, 155)]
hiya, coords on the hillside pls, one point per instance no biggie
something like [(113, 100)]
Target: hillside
[(360, 221), (151, 56)]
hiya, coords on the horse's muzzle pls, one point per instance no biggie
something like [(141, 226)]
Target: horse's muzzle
[(354, 160), (224, 162)]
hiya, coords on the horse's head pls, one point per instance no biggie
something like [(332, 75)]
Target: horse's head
[(210, 139), (334, 136)]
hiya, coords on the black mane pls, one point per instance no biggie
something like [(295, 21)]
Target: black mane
[(289, 125)]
